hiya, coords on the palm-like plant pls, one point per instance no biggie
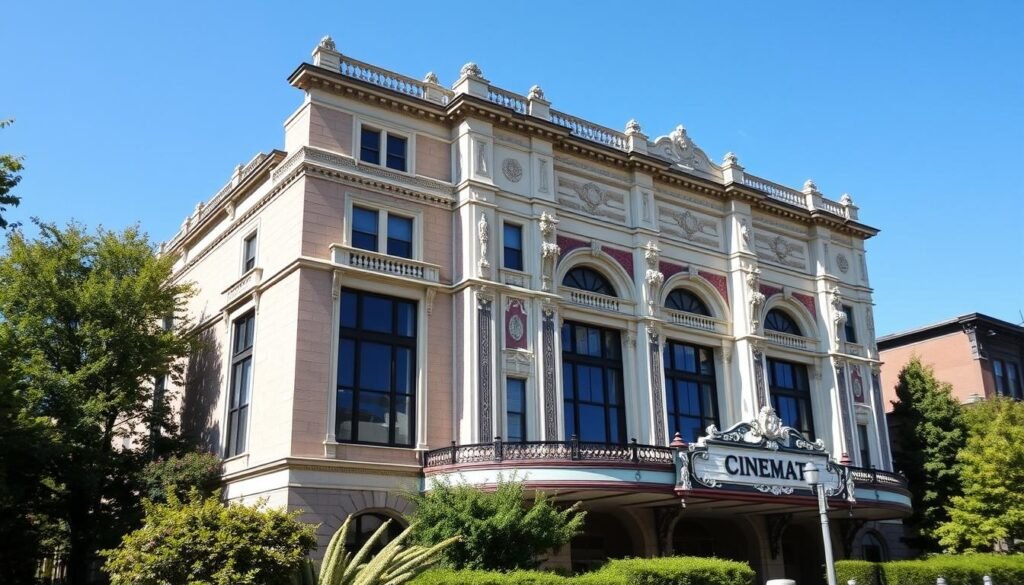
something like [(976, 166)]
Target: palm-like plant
[(393, 565)]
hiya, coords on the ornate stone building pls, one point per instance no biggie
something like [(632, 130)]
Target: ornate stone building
[(431, 282)]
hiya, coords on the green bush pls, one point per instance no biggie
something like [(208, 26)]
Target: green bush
[(203, 542), (657, 571), (180, 474), (957, 569), (865, 572)]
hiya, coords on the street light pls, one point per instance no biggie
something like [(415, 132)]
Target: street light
[(812, 477)]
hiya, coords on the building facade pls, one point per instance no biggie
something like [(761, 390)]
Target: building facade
[(466, 283), (980, 356)]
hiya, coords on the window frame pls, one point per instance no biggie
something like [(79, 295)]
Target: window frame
[(864, 443), (383, 213), (595, 275), (1013, 380), (359, 336), (505, 225), (805, 403), (383, 131), (850, 326), (999, 377), (674, 375), (613, 365), (523, 416), (253, 237), (232, 446)]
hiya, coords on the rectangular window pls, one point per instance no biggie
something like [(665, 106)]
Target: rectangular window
[(369, 146), (241, 384), (376, 145), (249, 253), (1013, 380), (865, 445), (592, 384), (394, 236), (999, 373), (399, 236), (512, 242), (515, 408), (376, 392), (364, 228), (851, 326), (791, 395), (690, 389)]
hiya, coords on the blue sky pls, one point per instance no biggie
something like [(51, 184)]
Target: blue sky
[(134, 112)]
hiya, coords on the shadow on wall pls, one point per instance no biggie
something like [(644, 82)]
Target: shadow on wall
[(200, 417)]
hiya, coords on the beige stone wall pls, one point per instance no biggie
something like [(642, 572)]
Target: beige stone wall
[(330, 129), (313, 363), (441, 380), (949, 355), (433, 158), (330, 507)]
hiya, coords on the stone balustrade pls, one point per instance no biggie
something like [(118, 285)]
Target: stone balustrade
[(695, 321), (595, 300), (384, 264), (790, 341)]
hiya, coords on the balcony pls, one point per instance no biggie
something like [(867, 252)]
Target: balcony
[(245, 284), (598, 301), (695, 321), (571, 451), (790, 341), (876, 478), (384, 264)]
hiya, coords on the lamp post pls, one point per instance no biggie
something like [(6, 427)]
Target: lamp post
[(813, 477)]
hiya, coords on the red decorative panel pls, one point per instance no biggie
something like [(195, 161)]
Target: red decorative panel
[(669, 268), (770, 291), (567, 244), (807, 301), (515, 325), (718, 281), (858, 384), (622, 257)]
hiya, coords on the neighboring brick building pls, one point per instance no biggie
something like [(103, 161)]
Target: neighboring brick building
[(432, 282), (980, 356)]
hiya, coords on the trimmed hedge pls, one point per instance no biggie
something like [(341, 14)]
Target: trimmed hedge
[(657, 571), (966, 569)]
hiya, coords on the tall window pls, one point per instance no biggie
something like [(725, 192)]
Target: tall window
[(588, 279), (395, 148), (865, 445), (371, 226), (690, 389), (515, 409), (376, 370), (512, 242), (683, 300), (241, 384), (851, 325), (999, 373), (791, 395), (249, 253), (592, 383), (1013, 379)]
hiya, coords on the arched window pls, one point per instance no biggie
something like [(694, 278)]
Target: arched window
[(364, 525), (780, 321), (588, 279), (683, 300)]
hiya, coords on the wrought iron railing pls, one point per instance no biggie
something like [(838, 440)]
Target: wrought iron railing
[(877, 477), (499, 451)]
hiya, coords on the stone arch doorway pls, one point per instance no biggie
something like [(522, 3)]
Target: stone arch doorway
[(603, 537), (706, 537), (802, 556)]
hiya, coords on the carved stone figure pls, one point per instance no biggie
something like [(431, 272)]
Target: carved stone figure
[(430, 77), (536, 93), (549, 250), (757, 298), (683, 150), (482, 230), (471, 69), (328, 43), (839, 316), (481, 158), (654, 277), (744, 235)]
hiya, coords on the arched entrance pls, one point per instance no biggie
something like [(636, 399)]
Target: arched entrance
[(604, 537), (707, 537), (802, 556)]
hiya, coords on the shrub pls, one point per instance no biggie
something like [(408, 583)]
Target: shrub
[(658, 571), (865, 572), (968, 568), (203, 542), (498, 530), (180, 474)]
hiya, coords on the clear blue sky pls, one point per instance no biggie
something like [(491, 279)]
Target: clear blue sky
[(134, 112)]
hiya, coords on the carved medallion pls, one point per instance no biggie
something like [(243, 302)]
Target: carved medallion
[(512, 170), (842, 263)]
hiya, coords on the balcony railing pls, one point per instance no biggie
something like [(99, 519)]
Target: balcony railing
[(595, 300), (695, 321), (384, 264), (878, 478), (790, 341), (499, 451)]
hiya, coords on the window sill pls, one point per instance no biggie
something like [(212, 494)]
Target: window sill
[(249, 280), (513, 277), (235, 463), (331, 448)]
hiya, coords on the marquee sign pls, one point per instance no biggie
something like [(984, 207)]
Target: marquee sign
[(762, 456)]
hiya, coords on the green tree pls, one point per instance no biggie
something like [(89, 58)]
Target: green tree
[(928, 432), (991, 510), (10, 166), (82, 319), (180, 474), (203, 542), (499, 530)]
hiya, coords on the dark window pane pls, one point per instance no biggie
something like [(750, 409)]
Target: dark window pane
[(377, 314), (592, 383), (399, 236), (850, 327), (403, 420), (349, 308), (374, 417), (242, 436), (588, 279), (568, 381), (777, 320), (592, 427), (364, 228), (346, 363), (684, 300), (396, 152), (406, 326), (344, 415), (369, 150), (512, 238), (375, 366), (249, 253), (570, 420), (403, 370)]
